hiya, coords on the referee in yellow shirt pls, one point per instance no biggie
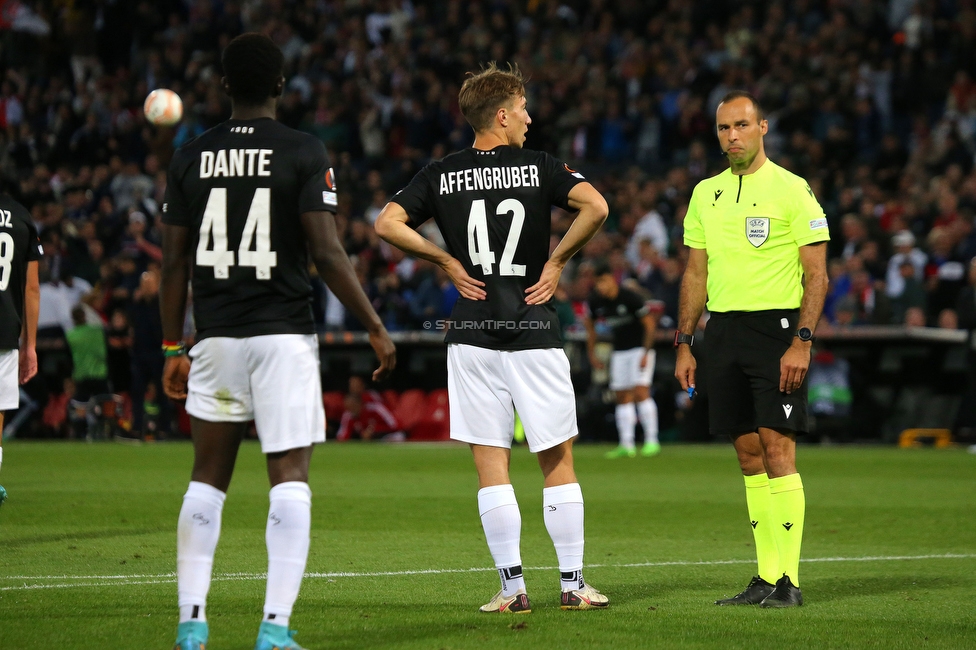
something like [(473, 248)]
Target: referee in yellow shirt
[(757, 254)]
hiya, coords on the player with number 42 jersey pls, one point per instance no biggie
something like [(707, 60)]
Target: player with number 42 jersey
[(492, 203), (493, 209)]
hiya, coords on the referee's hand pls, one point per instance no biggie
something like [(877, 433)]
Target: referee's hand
[(793, 366), (685, 366)]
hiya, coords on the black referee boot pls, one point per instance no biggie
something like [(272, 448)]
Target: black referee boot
[(786, 594), (754, 594)]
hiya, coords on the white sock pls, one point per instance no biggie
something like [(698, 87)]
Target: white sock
[(1, 456), (502, 521), (562, 509), (197, 533), (287, 536), (626, 418), (647, 411)]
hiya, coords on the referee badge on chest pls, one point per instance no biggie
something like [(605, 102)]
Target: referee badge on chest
[(757, 230)]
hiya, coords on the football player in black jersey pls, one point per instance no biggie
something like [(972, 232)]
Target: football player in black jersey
[(19, 303), (246, 204), (633, 321), (492, 203)]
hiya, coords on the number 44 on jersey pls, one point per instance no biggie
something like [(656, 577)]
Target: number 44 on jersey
[(256, 235)]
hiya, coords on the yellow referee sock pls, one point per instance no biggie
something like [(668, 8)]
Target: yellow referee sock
[(757, 500), (787, 506)]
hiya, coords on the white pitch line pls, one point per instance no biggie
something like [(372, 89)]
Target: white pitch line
[(169, 578), (88, 584)]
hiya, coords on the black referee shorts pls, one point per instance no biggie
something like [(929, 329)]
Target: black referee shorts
[(743, 350)]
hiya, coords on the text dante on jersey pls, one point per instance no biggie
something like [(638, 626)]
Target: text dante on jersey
[(235, 162)]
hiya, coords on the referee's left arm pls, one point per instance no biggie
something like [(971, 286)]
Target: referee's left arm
[(795, 362), (813, 258)]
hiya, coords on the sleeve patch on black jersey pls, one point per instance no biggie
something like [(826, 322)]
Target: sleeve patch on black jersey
[(330, 179), (573, 172)]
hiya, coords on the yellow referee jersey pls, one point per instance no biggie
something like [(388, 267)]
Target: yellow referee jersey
[(752, 226)]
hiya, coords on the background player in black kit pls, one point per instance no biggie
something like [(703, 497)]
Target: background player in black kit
[(246, 203), (19, 303), (633, 321), (492, 203)]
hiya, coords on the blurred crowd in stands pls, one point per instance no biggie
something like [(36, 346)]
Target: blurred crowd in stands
[(873, 102)]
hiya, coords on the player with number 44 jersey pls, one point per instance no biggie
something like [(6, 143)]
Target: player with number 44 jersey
[(248, 204), (492, 203)]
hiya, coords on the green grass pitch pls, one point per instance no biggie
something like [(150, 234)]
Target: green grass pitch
[(398, 559)]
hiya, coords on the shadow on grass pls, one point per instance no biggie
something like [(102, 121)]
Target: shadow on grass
[(91, 534), (840, 588)]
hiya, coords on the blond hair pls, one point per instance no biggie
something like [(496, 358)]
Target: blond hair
[(484, 93)]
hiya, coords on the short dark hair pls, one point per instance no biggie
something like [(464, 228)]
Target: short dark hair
[(484, 93), (740, 94), (253, 65)]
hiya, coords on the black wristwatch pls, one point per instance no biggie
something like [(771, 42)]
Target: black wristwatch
[(680, 338), (804, 334)]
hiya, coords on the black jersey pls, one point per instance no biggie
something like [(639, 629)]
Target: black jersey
[(241, 188), (623, 315), (493, 209), (18, 247)]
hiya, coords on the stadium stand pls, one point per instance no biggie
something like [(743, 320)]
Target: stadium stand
[(873, 102)]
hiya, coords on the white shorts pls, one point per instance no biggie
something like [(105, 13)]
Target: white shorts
[(484, 386), (625, 370), (9, 380), (273, 380)]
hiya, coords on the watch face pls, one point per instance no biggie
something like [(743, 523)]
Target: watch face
[(805, 334)]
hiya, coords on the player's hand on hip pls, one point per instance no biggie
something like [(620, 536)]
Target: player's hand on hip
[(540, 292), (793, 366), (684, 367), (175, 374), (467, 286), (385, 352), (28, 364)]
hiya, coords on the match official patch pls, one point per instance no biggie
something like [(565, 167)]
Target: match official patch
[(757, 230), (575, 173), (818, 223), (329, 198)]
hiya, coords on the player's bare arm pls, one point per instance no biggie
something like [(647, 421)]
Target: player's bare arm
[(592, 211), (691, 304), (392, 226), (796, 361), (335, 268), (591, 344), (175, 279), (28, 334), (649, 321)]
